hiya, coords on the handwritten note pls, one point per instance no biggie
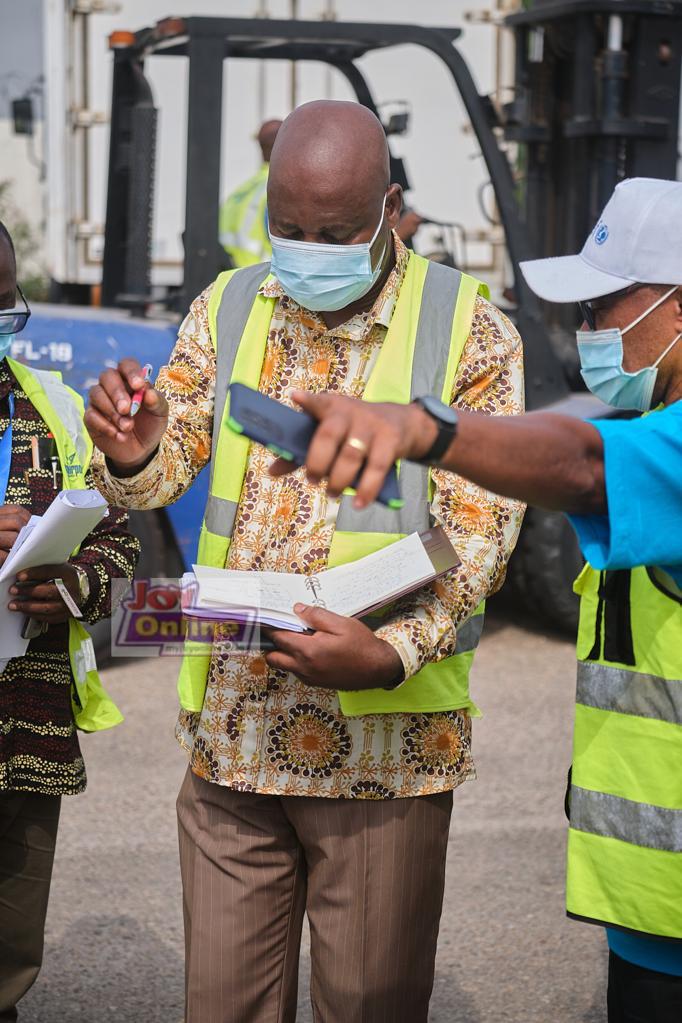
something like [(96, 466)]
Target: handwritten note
[(376, 579), (351, 589)]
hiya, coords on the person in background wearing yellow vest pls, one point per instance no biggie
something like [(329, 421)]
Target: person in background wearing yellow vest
[(243, 226), (53, 689), (621, 483), (321, 774)]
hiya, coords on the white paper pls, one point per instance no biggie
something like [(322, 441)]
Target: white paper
[(277, 591), (50, 538), (234, 594), (45, 540), (12, 643), (349, 589)]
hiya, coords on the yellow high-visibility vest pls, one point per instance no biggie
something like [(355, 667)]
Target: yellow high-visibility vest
[(420, 354), (242, 227), (625, 837), (61, 409)]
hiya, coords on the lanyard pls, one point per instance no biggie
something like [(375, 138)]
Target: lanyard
[(6, 451)]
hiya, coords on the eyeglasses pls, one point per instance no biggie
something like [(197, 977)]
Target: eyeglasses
[(14, 320), (589, 309)]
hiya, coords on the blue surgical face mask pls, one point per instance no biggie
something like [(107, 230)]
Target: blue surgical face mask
[(601, 365), (6, 344), (325, 277)]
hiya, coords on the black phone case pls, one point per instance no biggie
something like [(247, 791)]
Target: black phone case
[(286, 432)]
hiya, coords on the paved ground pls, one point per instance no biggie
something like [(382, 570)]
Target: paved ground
[(507, 953)]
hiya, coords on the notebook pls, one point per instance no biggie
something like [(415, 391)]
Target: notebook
[(354, 589)]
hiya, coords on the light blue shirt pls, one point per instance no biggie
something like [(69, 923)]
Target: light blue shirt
[(643, 526), (643, 473)]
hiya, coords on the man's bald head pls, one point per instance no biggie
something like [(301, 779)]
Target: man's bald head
[(267, 133), (330, 145), (329, 175)]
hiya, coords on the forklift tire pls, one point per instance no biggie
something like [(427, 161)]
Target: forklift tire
[(159, 557), (542, 569)]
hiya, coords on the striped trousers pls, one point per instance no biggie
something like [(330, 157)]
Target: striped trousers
[(368, 873)]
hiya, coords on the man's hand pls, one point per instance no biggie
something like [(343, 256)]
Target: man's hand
[(34, 594), (13, 517), (341, 654), (386, 432), (127, 441)]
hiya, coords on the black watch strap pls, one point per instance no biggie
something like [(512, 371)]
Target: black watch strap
[(447, 428)]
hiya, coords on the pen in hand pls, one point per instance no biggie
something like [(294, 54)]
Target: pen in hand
[(138, 395)]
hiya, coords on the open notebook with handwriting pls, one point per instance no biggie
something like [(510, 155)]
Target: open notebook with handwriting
[(354, 589)]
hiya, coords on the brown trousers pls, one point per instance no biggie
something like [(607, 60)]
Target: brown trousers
[(369, 873), (28, 835)]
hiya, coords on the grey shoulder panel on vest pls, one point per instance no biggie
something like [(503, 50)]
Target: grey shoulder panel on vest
[(434, 330), (413, 517), (236, 302), (429, 366)]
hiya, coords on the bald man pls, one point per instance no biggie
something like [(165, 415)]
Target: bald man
[(243, 224), (321, 773)]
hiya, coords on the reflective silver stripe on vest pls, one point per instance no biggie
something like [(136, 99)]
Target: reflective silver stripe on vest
[(629, 692), (598, 813), (235, 305), (469, 634), (429, 365), (220, 515)]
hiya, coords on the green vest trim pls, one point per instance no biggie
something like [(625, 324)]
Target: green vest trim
[(625, 831), (428, 330), (62, 410)]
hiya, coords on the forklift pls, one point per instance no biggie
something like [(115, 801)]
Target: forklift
[(596, 100)]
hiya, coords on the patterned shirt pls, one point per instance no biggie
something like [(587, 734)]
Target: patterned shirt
[(262, 729), (39, 750)]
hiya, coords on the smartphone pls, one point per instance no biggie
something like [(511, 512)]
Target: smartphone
[(286, 432)]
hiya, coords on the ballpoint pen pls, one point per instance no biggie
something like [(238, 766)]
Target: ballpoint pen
[(138, 395)]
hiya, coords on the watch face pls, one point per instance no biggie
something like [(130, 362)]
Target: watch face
[(439, 410)]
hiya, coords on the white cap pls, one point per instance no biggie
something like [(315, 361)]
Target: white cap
[(635, 241)]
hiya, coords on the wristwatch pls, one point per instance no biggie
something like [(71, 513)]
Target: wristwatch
[(446, 420), (83, 585)]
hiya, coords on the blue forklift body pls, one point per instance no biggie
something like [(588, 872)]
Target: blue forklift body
[(80, 342)]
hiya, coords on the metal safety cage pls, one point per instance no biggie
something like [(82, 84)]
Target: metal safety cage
[(207, 43)]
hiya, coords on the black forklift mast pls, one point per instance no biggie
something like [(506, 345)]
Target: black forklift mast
[(597, 99), (207, 43), (126, 261)]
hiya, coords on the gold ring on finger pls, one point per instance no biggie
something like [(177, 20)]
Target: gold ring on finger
[(359, 445)]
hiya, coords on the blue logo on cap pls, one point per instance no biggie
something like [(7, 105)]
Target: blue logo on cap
[(601, 233)]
